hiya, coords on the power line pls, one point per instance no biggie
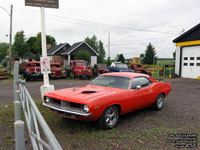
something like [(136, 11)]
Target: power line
[(85, 22)]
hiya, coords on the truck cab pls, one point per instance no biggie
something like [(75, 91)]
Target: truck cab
[(79, 69)]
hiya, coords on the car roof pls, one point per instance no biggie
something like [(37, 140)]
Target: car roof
[(126, 74)]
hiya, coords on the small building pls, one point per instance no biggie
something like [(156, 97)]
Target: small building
[(66, 52), (187, 64)]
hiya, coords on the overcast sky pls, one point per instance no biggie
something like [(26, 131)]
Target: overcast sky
[(132, 24)]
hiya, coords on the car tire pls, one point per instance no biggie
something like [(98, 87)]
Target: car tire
[(109, 118), (159, 103)]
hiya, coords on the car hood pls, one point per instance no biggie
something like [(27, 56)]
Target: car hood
[(80, 94)]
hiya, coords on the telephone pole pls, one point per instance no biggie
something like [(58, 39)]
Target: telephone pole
[(108, 45), (10, 46), (10, 41)]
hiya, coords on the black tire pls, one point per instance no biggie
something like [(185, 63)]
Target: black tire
[(109, 118), (74, 75), (159, 103), (27, 77)]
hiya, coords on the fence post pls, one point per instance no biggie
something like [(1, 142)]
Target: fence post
[(17, 103), (19, 135), (16, 79)]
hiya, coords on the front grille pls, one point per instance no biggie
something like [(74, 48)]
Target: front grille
[(58, 73), (65, 104)]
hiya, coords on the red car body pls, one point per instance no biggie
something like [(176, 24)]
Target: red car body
[(69, 102), (56, 71)]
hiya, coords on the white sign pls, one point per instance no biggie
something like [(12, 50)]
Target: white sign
[(45, 65)]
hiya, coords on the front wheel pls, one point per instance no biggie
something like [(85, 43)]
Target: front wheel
[(159, 103), (109, 118)]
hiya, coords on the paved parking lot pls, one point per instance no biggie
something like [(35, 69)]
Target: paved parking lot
[(144, 128)]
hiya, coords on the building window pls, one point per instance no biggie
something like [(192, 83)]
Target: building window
[(191, 64), (198, 58), (185, 58), (198, 64), (185, 64), (191, 58)]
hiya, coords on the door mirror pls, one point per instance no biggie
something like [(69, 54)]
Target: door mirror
[(138, 87)]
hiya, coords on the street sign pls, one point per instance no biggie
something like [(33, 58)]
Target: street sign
[(42, 3), (45, 65)]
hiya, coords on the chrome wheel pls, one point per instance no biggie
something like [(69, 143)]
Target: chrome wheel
[(111, 117), (160, 102)]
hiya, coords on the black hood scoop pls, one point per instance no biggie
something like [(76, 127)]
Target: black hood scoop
[(88, 92)]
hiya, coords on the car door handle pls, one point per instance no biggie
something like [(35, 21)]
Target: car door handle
[(150, 90)]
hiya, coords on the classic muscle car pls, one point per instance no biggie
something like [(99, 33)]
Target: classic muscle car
[(107, 97)]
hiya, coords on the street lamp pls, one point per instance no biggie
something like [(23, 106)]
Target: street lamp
[(10, 46)]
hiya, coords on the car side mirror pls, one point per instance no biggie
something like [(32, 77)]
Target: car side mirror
[(138, 87)]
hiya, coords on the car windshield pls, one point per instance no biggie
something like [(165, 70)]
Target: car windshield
[(121, 66), (101, 66), (34, 65), (55, 66), (112, 81), (81, 64)]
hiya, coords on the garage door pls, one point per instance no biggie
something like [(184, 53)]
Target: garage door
[(191, 62)]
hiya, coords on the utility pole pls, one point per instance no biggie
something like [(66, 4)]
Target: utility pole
[(44, 59), (10, 46), (108, 45)]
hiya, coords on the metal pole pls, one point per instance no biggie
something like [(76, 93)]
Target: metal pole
[(44, 47), (108, 45), (19, 135), (46, 87), (10, 46)]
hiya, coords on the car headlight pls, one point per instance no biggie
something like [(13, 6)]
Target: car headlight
[(86, 108), (47, 99), (79, 70)]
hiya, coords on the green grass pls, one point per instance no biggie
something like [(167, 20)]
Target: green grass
[(147, 132)]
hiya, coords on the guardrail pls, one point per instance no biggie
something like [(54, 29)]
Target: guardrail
[(34, 120)]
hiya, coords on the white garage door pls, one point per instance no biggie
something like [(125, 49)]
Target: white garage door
[(191, 62)]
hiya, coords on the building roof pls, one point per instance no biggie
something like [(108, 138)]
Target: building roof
[(191, 35), (75, 46), (56, 48)]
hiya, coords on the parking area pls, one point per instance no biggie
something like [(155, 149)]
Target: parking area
[(143, 129)]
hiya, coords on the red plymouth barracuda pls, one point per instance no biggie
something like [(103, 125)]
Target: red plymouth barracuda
[(107, 97)]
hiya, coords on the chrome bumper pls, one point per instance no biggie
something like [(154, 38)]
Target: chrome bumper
[(68, 111)]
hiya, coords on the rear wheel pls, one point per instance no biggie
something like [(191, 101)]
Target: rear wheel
[(109, 118), (159, 103)]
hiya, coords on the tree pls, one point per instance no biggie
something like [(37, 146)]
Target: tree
[(83, 55), (149, 56), (97, 46), (108, 61), (20, 46), (121, 58), (174, 54), (36, 45), (3, 50)]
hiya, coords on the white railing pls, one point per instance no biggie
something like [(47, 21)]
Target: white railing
[(34, 120)]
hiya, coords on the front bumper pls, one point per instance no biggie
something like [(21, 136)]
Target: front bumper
[(67, 111)]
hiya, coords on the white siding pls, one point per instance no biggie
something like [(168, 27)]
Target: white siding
[(93, 60)]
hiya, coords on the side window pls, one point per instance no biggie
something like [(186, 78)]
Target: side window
[(142, 81)]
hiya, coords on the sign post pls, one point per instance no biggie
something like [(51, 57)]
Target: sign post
[(44, 60)]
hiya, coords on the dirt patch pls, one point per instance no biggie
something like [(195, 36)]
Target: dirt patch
[(144, 129)]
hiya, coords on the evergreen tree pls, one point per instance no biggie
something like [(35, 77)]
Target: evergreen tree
[(121, 58), (149, 56)]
